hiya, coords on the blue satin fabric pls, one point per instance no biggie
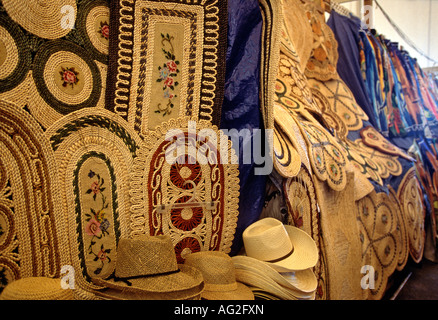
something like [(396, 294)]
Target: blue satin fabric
[(241, 105)]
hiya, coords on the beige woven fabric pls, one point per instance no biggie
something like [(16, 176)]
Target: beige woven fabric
[(410, 196), (156, 182), (94, 151), (341, 240), (33, 241)]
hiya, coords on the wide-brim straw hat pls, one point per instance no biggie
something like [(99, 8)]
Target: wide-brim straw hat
[(36, 288), (146, 268), (283, 247), (300, 281), (254, 279), (219, 275)]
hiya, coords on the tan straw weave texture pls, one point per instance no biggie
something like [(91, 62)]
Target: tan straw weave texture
[(94, 152), (36, 288), (33, 240), (169, 61), (156, 181)]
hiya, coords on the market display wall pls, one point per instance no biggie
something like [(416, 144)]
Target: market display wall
[(86, 110)]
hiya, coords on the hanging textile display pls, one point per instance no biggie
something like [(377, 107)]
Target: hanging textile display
[(251, 136), (193, 199), (94, 152), (149, 41), (33, 236)]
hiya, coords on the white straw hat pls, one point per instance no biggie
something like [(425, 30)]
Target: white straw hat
[(285, 248), (297, 281)]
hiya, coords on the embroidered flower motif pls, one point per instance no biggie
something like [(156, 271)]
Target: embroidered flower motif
[(169, 82), (172, 66), (69, 76), (103, 257), (104, 225), (91, 174), (93, 228), (164, 73), (104, 30), (169, 95), (167, 74), (96, 186), (97, 226)]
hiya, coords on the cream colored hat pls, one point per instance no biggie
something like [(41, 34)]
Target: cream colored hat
[(146, 268), (219, 275), (298, 281), (285, 248)]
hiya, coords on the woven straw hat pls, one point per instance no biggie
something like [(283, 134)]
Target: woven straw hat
[(285, 248), (147, 268), (36, 288), (218, 271), (297, 281)]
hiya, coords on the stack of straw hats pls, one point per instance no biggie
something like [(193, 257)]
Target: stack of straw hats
[(147, 269), (219, 274), (278, 261)]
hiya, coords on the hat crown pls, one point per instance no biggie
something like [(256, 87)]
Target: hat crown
[(267, 240), (216, 266), (144, 256)]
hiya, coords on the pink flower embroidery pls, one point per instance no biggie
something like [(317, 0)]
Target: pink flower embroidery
[(92, 228), (105, 31), (102, 255), (95, 187), (69, 77)]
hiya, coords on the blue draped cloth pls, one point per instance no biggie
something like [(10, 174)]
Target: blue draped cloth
[(241, 105)]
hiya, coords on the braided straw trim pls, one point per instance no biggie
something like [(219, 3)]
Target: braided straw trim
[(401, 231), (124, 60), (140, 223), (31, 167), (95, 13), (410, 196), (19, 95), (92, 132), (272, 15), (11, 60)]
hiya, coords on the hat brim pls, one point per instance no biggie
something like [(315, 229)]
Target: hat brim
[(255, 280), (304, 255), (242, 292), (303, 281), (121, 294), (175, 284)]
